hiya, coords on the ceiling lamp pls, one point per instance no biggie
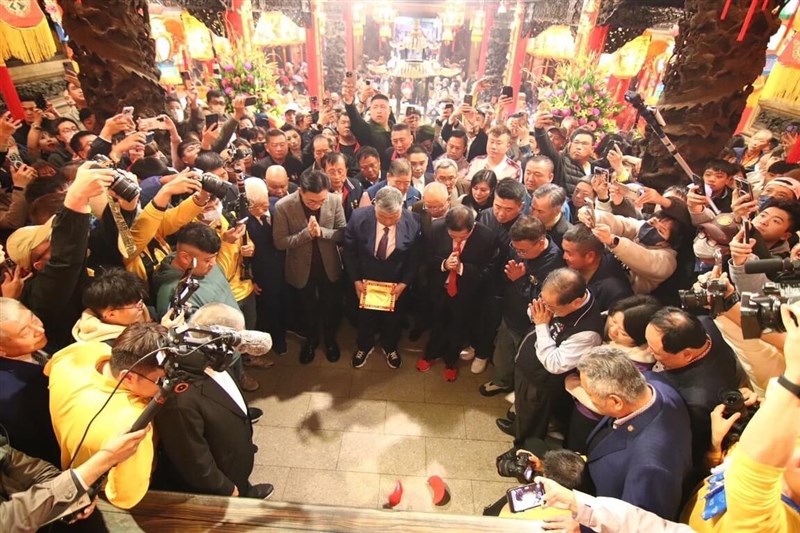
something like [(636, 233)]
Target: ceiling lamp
[(276, 29), (556, 42)]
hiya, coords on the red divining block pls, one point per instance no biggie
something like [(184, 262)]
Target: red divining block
[(441, 494), (396, 495)]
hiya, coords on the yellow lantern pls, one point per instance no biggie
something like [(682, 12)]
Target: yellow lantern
[(629, 59), (478, 25), (556, 42)]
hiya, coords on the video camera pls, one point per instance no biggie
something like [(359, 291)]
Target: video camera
[(762, 311)]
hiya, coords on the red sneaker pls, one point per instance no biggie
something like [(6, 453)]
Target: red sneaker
[(423, 365), (450, 374)]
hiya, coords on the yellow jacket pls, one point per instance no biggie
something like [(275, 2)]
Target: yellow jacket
[(230, 262), (77, 392), (153, 224)]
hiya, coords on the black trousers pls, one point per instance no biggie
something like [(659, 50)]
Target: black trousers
[(321, 302), (272, 313), (248, 308), (535, 404), (388, 325), (485, 328), (450, 328)]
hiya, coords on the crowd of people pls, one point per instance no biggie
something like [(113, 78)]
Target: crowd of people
[(519, 242)]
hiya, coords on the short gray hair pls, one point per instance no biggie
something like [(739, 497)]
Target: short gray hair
[(609, 371), (557, 194), (389, 200), (218, 314), (445, 163)]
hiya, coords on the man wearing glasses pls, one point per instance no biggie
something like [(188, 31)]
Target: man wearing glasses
[(309, 224)]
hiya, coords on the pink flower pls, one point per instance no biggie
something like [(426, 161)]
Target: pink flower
[(586, 86), (228, 67), (600, 122), (567, 112), (248, 65), (250, 78), (582, 121), (237, 81), (592, 125), (557, 112), (224, 82), (229, 90), (574, 97), (577, 107), (596, 112)]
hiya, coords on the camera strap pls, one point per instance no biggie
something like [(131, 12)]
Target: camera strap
[(122, 228)]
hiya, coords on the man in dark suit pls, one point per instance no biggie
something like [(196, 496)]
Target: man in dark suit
[(205, 436), (369, 164), (461, 256), (381, 244), (309, 224), (278, 154), (418, 158), (547, 205), (641, 451), (402, 139), (350, 191)]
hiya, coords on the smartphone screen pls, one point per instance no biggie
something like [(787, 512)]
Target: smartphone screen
[(128, 110), (148, 138), (69, 68), (211, 119), (250, 100), (525, 497), (747, 226), (603, 173), (468, 99), (507, 91), (700, 185), (744, 187)]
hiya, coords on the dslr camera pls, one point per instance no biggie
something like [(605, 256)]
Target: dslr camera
[(734, 403), (211, 183), (713, 292), (519, 466), (760, 312), (123, 186)]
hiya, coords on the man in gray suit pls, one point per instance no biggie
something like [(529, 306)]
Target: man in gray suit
[(309, 224)]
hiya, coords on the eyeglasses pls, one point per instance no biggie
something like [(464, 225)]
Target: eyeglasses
[(137, 305), (145, 377)]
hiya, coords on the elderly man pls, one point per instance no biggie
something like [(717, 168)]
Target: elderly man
[(278, 154), (399, 177), (436, 201), (334, 165), (83, 377), (548, 206), (369, 164), (24, 398), (757, 147), (278, 183), (446, 172), (309, 224), (696, 361), (643, 442), (568, 324), (381, 244)]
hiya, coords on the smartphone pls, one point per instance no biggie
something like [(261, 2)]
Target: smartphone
[(69, 68), (603, 173), (154, 123), (747, 226), (250, 100), (243, 221), (590, 208), (468, 99), (629, 193), (128, 110), (148, 138), (41, 102), (699, 185), (507, 90), (7, 266), (211, 119), (15, 161), (744, 187), (367, 82), (525, 497)]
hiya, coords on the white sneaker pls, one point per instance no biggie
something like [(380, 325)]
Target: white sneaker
[(478, 366), (468, 354)]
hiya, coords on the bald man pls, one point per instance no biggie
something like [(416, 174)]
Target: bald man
[(278, 182)]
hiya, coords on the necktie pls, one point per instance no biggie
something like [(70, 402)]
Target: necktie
[(383, 245), (452, 277)]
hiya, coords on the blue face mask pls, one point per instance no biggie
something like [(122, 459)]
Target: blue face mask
[(648, 236), (763, 201)]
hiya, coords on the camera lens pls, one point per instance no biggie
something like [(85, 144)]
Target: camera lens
[(214, 185), (124, 187), (733, 402)]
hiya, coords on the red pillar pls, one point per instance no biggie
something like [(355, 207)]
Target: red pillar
[(9, 93), (491, 8), (233, 20), (313, 55), (597, 39), (348, 37), (517, 62)]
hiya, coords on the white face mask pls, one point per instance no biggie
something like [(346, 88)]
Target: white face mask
[(177, 115), (212, 216)]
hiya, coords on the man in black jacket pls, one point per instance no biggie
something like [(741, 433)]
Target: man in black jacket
[(56, 254), (572, 165), (205, 436), (376, 132), (278, 154), (461, 256), (381, 244)]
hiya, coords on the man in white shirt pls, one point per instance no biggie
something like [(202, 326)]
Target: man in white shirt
[(495, 159)]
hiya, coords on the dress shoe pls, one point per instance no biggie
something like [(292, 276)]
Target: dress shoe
[(307, 353), (393, 359), (280, 348), (506, 426), (249, 384), (492, 389), (450, 374), (511, 414), (262, 491), (478, 366), (423, 365), (332, 352), (254, 414)]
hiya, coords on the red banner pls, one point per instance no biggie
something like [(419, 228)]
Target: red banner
[(21, 13), (791, 54)]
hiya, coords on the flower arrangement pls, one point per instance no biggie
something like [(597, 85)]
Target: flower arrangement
[(250, 73), (579, 91)]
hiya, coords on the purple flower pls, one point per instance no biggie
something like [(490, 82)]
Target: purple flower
[(250, 78), (229, 90), (595, 112), (248, 65), (557, 112), (559, 92), (224, 82), (586, 86), (228, 67)]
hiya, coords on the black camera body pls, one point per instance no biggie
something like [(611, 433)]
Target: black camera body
[(712, 292), (519, 466), (733, 400), (123, 186), (761, 312)]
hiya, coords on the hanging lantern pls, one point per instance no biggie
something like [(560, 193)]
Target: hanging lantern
[(478, 25), (447, 35), (629, 59), (556, 42), (385, 16)]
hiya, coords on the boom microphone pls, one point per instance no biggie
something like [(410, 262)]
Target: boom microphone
[(246, 341), (770, 267)]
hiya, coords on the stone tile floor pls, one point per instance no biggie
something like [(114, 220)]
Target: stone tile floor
[(335, 435)]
